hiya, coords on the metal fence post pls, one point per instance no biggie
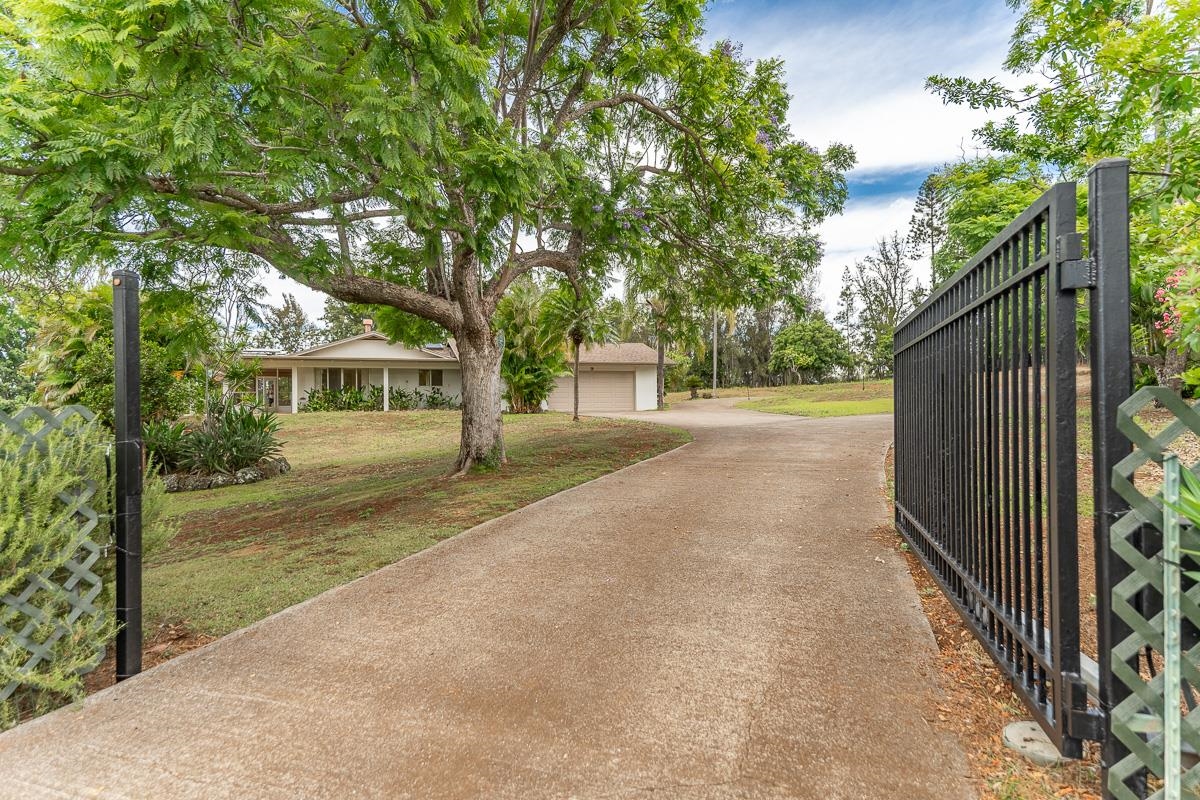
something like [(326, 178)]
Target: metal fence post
[(127, 418), (1112, 383), (1172, 638)]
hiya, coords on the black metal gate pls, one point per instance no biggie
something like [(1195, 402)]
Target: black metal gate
[(987, 443)]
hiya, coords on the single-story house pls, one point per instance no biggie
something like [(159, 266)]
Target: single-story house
[(614, 377), (369, 359)]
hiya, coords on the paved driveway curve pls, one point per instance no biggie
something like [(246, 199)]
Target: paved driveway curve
[(718, 622)]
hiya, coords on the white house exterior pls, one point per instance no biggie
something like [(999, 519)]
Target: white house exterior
[(613, 377), (284, 380)]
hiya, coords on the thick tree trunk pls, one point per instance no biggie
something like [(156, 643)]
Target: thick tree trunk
[(482, 432), (575, 416), (661, 374)]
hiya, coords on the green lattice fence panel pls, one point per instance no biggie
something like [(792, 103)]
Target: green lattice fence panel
[(1138, 720), (29, 620)]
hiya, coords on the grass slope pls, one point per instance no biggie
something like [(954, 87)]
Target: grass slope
[(366, 489), (816, 400)]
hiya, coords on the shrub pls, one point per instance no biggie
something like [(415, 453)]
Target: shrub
[(164, 442), (166, 392), (371, 399), (233, 439), (38, 535), (434, 399), (400, 399), (345, 399)]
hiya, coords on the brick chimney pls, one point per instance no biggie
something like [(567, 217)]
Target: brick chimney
[(368, 325)]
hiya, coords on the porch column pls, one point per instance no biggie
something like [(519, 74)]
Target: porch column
[(295, 389), (386, 389)]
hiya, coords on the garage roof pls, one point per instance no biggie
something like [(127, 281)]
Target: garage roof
[(620, 353)]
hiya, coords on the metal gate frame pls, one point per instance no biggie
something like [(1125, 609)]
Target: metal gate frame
[(986, 446)]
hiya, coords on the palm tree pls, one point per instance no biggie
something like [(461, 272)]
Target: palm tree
[(577, 312), (533, 357)]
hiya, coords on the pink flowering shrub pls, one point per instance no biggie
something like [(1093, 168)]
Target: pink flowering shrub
[(1179, 318)]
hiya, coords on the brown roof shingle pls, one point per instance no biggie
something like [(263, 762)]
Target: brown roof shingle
[(619, 353)]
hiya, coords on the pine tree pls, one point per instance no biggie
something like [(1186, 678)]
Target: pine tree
[(927, 229), (287, 328)]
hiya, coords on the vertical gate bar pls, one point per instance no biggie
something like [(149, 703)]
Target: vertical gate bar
[(968, 439), (1039, 482), (1172, 624), (964, 449), (1015, 453), (994, 444), (1006, 561), (977, 439), (1112, 382), (127, 419), (1064, 550), (1026, 480)]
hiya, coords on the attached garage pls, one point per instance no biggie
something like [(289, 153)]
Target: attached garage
[(612, 377)]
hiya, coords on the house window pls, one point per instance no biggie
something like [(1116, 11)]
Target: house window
[(429, 377), (337, 378), (331, 379)]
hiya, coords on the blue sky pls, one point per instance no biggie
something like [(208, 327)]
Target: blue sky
[(856, 73)]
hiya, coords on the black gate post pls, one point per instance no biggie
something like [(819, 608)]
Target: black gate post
[(1112, 383), (127, 416)]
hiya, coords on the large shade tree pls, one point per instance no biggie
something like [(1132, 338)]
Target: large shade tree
[(417, 155)]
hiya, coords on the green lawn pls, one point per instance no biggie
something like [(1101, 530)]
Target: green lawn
[(816, 400), (366, 489)]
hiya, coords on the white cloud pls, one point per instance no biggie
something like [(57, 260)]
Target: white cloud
[(853, 235), (857, 77), (856, 72)]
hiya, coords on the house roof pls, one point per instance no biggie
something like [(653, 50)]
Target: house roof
[(434, 351), (618, 353), (621, 353)]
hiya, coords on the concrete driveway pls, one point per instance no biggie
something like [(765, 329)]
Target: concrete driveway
[(717, 622)]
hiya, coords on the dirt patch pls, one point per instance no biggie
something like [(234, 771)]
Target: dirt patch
[(162, 644)]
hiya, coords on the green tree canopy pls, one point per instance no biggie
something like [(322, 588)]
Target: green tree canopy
[(16, 331), (810, 348), (1110, 78), (287, 328), (877, 293), (342, 320), (414, 155), (71, 353), (534, 336)]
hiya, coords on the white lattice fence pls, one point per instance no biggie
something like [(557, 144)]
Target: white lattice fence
[(49, 606)]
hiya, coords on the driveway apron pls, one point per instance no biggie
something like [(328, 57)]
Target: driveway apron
[(723, 621)]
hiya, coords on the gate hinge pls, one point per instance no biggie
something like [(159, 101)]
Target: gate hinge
[(1068, 247), (1091, 724), (1078, 273)]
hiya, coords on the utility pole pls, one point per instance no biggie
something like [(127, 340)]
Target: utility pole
[(714, 352)]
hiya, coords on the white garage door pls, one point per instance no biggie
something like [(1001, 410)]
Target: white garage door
[(598, 391)]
